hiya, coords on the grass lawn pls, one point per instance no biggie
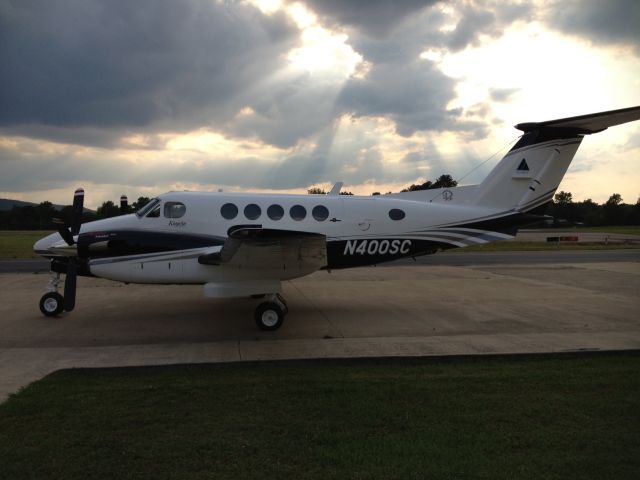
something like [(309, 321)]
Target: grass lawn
[(19, 244), (483, 418), (518, 246)]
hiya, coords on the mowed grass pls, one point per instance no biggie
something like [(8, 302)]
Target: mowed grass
[(519, 246), (483, 418), (19, 244)]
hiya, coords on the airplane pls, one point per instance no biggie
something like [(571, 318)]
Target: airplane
[(245, 244)]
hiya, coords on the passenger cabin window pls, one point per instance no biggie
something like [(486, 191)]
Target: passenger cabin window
[(174, 209), (298, 212), (320, 213), (229, 211), (396, 214), (252, 211), (275, 212)]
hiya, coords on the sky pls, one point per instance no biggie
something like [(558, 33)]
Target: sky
[(143, 97)]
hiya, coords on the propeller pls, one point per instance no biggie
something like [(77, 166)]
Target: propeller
[(67, 232)]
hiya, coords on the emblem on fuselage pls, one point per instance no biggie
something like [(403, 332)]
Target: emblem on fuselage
[(447, 195), (377, 247)]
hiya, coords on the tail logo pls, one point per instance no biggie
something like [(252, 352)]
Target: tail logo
[(523, 167)]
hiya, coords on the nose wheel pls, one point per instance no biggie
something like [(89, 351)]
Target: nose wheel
[(269, 315), (52, 304)]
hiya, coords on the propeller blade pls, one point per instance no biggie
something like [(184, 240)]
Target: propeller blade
[(64, 232), (70, 286), (76, 217)]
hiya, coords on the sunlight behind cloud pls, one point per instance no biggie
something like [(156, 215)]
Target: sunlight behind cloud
[(325, 52)]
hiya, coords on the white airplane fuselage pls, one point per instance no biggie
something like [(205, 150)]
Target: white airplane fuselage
[(359, 231)]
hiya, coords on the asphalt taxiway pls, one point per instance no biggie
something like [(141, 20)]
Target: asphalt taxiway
[(399, 310)]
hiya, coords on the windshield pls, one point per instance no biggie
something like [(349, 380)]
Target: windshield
[(152, 203)]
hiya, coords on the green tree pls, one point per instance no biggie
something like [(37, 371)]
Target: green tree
[(316, 191), (615, 199), (141, 202), (613, 210), (108, 209), (444, 181), (563, 197)]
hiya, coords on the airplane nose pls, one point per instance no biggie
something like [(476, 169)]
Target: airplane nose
[(43, 246)]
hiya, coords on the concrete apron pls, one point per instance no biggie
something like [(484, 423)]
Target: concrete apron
[(369, 312)]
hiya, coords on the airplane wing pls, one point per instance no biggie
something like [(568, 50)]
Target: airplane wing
[(261, 248), (587, 124)]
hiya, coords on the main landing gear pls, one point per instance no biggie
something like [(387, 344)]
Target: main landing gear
[(269, 315), (52, 303)]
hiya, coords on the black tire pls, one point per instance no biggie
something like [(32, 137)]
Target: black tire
[(52, 304), (269, 316)]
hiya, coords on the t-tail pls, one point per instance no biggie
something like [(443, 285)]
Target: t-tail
[(526, 179)]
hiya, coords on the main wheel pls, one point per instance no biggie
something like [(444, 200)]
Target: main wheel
[(52, 304), (269, 316)]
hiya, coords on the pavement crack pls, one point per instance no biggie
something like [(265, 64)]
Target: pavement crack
[(317, 309)]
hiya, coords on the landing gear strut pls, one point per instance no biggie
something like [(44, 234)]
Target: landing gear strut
[(52, 303), (269, 315)]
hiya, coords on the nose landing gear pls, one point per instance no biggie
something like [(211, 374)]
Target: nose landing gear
[(52, 303)]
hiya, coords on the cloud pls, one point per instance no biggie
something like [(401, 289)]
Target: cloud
[(123, 66), (609, 22), (414, 95), (372, 17), (502, 95)]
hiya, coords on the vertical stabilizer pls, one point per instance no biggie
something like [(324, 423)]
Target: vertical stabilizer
[(528, 176)]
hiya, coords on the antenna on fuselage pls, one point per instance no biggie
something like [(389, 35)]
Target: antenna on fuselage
[(336, 188)]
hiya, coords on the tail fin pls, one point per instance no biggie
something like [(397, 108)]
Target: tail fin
[(529, 174)]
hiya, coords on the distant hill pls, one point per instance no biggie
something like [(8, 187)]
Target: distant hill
[(8, 204)]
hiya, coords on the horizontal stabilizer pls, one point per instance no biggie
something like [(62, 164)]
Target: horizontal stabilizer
[(586, 124)]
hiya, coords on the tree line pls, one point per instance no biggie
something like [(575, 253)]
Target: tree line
[(587, 212), (40, 217), (563, 210)]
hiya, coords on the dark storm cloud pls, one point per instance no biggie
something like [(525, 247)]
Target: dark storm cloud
[(609, 22), (373, 17), (414, 95), (129, 65)]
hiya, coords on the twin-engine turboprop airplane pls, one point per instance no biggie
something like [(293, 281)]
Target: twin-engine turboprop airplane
[(242, 244)]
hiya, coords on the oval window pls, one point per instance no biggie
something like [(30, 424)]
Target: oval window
[(252, 211), (396, 214), (229, 211), (320, 213), (174, 209), (298, 212), (275, 212)]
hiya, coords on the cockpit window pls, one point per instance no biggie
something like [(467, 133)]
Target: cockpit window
[(143, 211), (174, 209), (155, 211)]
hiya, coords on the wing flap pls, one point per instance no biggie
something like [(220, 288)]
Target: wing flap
[(269, 249)]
